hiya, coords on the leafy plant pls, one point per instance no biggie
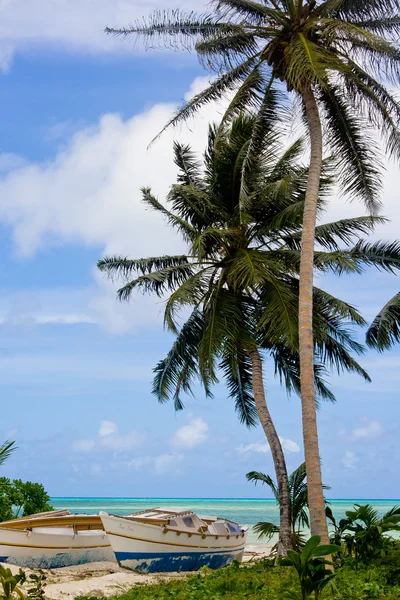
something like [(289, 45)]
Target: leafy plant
[(311, 566), (38, 580), (10, 584), (363, 533)]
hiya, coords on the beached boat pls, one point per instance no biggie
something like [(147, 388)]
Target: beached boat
[(52, 540), (166, 540)]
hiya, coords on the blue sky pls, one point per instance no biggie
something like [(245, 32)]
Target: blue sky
[(75, 366)]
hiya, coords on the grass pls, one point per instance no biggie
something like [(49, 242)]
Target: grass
[(263, 581)]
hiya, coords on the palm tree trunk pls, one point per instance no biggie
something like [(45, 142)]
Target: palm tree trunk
[(278, 457), (318, 523)]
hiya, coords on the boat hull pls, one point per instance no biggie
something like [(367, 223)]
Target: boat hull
[(151, 549), (53, 549)]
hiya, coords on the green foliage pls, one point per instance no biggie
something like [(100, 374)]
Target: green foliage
[(298, 501), (30, 498), (263, 581), (363, 534), (6, 502), (10, 584), (19, 498), (312, 567)]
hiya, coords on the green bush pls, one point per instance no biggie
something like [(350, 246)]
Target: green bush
[(20, 498)]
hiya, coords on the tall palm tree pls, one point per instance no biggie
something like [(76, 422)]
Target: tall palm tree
[(239, 277), (384, 330), (337, 57)]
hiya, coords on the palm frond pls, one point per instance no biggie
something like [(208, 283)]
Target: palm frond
[(356, 153), (171, 28), (266, 530), (236, 367), (191, 292), (384, 331), (158, 282), (329, 235), (257, 476), (6, 449), (376, 103), (183, 226), (257, 12), (180, 368), (216, 89), (125, 267)]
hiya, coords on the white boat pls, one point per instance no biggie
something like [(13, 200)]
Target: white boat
[(167, 540), (53, 540)]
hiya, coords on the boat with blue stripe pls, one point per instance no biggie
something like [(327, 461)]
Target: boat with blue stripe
[(170, 540), (53, 540)]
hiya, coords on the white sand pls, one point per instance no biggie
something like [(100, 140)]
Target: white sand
[(107, 578)]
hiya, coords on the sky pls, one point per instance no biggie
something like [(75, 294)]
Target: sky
[(79, 109)]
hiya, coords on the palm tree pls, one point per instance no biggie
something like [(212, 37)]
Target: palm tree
[(298, 504), (337, 57), (239, 277), (384, 330)]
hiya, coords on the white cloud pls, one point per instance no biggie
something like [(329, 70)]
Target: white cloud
[(259, 447), (263, 447), (83, 445), (190, 435), (160, 465), (167, 463), (289, 445), (371, 429), (96, 180), (107, 428), (77, 26), (122, 443), (9, 160), (109, 438), (350, 460)]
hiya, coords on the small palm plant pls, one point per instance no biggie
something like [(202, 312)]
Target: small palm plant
[(298, 503), (238, 282)]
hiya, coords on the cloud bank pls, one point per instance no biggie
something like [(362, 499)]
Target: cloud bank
[(78, 25)]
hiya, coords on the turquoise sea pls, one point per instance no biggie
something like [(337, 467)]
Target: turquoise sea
[(242, 510)]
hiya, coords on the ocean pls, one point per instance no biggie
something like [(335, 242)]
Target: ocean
[(241, 510)]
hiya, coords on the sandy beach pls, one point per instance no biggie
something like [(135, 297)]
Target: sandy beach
[(105, 579)]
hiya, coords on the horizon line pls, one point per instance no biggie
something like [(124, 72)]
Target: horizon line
[(196, 498)]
